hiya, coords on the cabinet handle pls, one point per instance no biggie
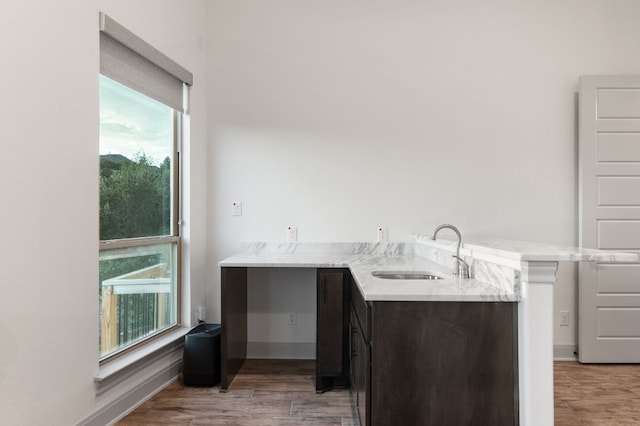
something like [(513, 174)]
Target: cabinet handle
[(324, 293)]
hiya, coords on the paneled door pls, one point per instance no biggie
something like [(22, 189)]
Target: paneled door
[(609, 204)]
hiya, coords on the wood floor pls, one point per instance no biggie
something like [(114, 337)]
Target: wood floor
[(278, 392), (596, 394), (263, 393)]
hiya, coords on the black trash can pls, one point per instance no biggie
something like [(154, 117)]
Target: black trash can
[(201, 356)]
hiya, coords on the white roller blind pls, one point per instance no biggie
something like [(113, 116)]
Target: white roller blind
[(128, 59)]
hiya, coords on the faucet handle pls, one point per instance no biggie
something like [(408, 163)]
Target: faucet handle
[(463, 267)]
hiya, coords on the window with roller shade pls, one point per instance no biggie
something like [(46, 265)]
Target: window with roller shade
[(143, 98)]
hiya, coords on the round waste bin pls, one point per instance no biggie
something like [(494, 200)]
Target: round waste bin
[(201, 356)]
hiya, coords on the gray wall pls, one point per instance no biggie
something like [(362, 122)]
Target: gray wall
[(339, 117)]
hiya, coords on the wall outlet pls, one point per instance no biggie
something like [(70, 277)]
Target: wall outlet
[(201, 313), (381, 234), (564, 318), (292, 318), (292, 234), (236, 208)]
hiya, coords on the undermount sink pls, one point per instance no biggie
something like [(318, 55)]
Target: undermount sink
[(406, 275)]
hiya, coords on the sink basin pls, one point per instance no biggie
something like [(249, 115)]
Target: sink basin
[(406, 275)]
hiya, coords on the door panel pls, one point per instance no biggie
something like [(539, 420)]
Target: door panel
[(618, 102), (618, 147), (618, 322), (619, 190), (619, 234), (609, 192), (618, 278)]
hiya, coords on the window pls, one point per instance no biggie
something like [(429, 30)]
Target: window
[(141, 108)]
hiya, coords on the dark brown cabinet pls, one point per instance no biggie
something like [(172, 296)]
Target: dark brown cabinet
[(360, 354), (233, 347), (332, 332), (409, 363), (434, 363)]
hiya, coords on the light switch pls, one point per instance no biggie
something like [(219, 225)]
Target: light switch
[(564, 318)]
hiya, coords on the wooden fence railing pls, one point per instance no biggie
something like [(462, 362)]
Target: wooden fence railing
[(134, 305)]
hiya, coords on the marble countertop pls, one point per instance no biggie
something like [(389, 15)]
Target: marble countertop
[(533, 251), (364, 258), (287, 260), (496, 261), (450, 288)]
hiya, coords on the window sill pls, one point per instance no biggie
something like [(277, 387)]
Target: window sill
[(116, 371)]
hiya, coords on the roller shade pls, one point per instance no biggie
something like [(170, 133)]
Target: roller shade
[(127, 59)]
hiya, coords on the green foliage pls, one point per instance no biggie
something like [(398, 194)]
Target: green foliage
[(135, 198), (135, 201)]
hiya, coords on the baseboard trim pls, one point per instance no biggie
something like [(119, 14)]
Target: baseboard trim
[(130, 400), (565, 353), (281, 350)]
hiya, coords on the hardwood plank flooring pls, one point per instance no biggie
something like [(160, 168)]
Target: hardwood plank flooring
[(596, 394), (263, 393), (281, 392)]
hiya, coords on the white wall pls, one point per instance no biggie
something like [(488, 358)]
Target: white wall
[(273, 294), (49, 193), (340, 116)]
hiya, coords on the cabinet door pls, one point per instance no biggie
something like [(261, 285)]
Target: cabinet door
[(353, 335), (332, 333), (233, 348), (456, 364), (361, 367), (330, 346)]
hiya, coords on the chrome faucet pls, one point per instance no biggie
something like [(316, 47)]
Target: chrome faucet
[(462, 267)]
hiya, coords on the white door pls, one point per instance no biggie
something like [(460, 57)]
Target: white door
[(609, 161)]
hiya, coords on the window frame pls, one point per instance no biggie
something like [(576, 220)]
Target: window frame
[(174, 238)]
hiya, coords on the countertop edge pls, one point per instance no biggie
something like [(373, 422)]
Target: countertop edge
[(375, 289), (526, 251)]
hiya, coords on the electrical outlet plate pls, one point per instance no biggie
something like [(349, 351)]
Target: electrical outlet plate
[(564, 318), (236, 208), (381, 234), (202, 313), (293, 318), (292, 234)]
